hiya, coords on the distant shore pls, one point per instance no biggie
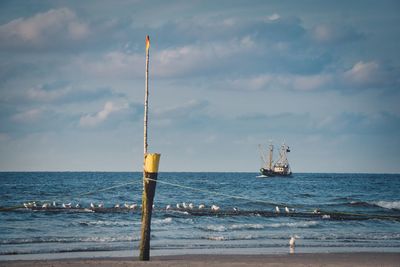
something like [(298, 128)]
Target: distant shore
[(302, 259)]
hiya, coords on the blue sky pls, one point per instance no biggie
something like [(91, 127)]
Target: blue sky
[(225, 76)]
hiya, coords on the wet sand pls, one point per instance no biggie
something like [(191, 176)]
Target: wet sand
[(306, 259)]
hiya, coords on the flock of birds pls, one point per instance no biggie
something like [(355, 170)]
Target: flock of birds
[(134, 206)]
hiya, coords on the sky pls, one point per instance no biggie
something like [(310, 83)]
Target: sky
[(225, 76)]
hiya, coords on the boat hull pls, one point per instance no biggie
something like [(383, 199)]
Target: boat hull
[(271, 173)]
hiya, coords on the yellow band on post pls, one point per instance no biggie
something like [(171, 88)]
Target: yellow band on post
[(151, 162)]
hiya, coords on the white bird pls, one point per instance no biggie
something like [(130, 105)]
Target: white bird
[(168, 207), (277, 210), (101, 205), (126, 205), (54, 204), (92, 205), (287, 210), (26, 205), (235, 209), (133, 206), (316, 211), (191, 206), (66, 206), (178, 206), (202, 206), (292, 242), (184, 205), (326, 216), (77, 205), (214, 208), (116, 206), (45, 205)]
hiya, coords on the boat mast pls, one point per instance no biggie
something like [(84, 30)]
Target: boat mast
[(271, 149)]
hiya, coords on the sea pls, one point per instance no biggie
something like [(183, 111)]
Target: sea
[(325, 212)]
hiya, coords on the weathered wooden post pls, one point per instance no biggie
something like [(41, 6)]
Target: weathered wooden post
[(150, 171)]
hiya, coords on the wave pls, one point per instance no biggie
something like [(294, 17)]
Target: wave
[(50, 239), (163, 221), (248, 226), (106, 223), (392, 205)]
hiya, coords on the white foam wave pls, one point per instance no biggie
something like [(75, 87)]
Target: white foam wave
[(107, 223), (216, 228), (393, 205), (305, 224), (163, 221), (246, 226)]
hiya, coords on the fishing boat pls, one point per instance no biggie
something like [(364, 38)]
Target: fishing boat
[(279, 168)]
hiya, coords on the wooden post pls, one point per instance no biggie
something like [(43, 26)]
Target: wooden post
[(150, 171)]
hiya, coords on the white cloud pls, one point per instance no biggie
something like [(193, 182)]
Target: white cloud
[(31, 115), (274, 16), (170, 62), (365, 74), (42, 28), (40, 94), (281, 81), (330, 34), (91, 120)]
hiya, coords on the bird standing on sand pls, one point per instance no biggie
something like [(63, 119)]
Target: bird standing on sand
[(292, 242)]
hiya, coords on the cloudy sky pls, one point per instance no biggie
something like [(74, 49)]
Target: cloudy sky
[(225, 76)]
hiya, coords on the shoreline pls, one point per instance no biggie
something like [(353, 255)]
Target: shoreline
[(298, 259)]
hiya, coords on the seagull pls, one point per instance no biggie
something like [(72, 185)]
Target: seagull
[(184, 205), (287, 210), (45, 205), (202, 206), (78, 206), (126, 205), (292, 242), (66, 206), (235, 209), (116, 206), (133, 206), (92, 205), (191, 206), (178, 206), (316, 211), (26, 205), (214, 208), (101, 205), (168, 207), (277, 210), (54, 204), (325, 216)]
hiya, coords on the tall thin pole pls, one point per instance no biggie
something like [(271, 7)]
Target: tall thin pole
[(146, 95), (150, 171)]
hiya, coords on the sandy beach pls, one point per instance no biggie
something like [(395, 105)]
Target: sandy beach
[(306, 259)]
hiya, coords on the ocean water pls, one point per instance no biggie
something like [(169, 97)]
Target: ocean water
[(357, 212)]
